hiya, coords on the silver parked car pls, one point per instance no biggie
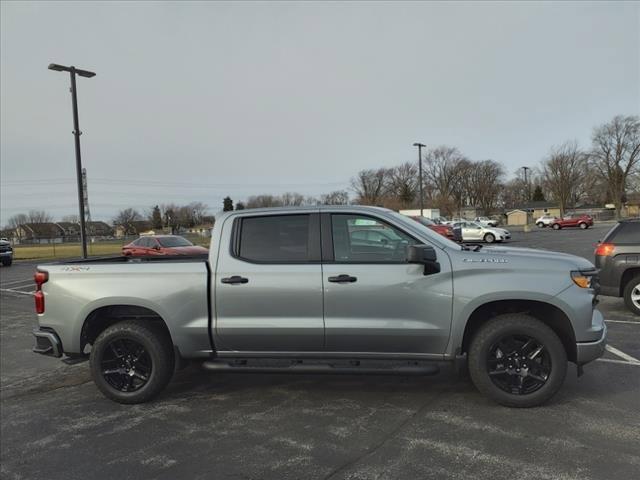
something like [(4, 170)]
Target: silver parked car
[(476, 232)]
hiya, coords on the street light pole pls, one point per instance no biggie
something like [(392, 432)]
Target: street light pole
[(420, 146), (76, 133), (527, 183)]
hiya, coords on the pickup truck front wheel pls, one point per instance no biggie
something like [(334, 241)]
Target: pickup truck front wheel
[(132, 362), (517, 361)]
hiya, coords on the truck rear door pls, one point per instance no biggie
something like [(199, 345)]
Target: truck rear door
[(268, 291)]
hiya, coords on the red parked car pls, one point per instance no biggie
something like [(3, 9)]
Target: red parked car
[(582, 221), (444, 230), (162, 245)]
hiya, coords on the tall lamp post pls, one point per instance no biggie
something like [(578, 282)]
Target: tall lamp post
[(420, 147), (73, 71), (526, 183)]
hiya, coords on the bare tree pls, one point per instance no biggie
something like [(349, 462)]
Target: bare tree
[(292, 199), (125, 219), (563, 173), (370, 186), (263, 201), (198, 211), (512, 194), (39, 216), (403, 184), (338, 197), (483, 181), (443, 168), (616, 154), (17, 220), (71, 218)]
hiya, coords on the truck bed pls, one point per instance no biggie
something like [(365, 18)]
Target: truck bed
[(128, 259)]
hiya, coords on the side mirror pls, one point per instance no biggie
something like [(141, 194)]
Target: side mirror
[(424, 255)]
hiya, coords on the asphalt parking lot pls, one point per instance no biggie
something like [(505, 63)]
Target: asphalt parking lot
[(55, 424)]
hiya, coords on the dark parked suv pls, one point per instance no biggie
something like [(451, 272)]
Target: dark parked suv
[(618, 258), (6, 252)]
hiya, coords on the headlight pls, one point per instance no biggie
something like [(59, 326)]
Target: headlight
[(582, 279)]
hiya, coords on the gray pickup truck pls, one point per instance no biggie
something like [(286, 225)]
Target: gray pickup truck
[(326, 290)]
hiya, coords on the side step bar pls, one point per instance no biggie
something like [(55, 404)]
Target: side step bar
[(322, 368)]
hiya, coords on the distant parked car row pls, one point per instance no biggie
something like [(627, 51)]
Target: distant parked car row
[(444, 230), (162, 245), (461, 230)]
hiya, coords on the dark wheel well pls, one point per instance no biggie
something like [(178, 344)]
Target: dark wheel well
[(549, 314), (103, 317), (626, 278)]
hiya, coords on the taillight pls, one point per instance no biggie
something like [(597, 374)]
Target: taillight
[(40, 278), (605, 249)]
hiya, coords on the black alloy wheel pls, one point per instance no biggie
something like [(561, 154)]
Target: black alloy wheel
[(132, 361), (519, 364), (126, 365)]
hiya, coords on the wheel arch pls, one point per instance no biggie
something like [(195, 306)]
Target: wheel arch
[(547, 313), (627, 275), (104, 316)]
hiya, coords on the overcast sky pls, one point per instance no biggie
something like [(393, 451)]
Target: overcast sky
[(196, 101)]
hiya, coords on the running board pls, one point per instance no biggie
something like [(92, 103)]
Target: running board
[(342, 368)]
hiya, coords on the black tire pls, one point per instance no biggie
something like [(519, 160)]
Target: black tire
[(631, 290), (583, 226), (489, 238), (517, 325), (540, 225), (7, 261), (556, 226), (158, 360)]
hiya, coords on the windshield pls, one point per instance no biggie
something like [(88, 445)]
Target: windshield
[(170, 242), (424, 221)]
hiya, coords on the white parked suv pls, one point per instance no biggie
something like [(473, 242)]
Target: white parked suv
[(475, 232), (545, 220)]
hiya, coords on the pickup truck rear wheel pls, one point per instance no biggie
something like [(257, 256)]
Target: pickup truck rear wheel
[(632, 294), (132, 362), (517, 361)]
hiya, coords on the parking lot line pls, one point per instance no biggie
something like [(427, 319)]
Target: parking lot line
[(619, 362), (621, 354), (14, 282), (622, 321), (9, 290)]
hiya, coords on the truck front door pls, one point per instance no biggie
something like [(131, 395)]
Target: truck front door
[(268, 290), (374, 301)]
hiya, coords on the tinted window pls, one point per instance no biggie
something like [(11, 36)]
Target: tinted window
[(142, 242), (361, 239), (277, 238), (174, 242), (625, 232)]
